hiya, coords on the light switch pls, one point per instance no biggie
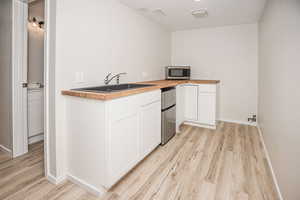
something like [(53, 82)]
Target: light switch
[(145, 74)]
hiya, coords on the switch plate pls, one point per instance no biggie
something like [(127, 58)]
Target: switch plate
[(145, 74)]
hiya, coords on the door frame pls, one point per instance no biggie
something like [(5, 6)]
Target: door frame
[(19, 117), (47, 82)]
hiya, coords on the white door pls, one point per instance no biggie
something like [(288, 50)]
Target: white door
[(150, 128), (207, 108), (19, 77), (191, 102)]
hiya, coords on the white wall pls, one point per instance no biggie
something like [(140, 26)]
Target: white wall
[(36, 44), (50, 59), (279, 94), (229, 54), (5, 73), (96, 37)]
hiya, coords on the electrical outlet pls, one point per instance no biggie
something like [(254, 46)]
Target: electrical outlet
[(79, 77), (252, 119)]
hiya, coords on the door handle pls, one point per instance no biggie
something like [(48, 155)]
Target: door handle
[(25, 85)]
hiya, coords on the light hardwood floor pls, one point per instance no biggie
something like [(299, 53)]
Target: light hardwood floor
[(4, 156), (223, 164)]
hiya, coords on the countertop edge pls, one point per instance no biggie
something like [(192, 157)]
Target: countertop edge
[(159, 84)]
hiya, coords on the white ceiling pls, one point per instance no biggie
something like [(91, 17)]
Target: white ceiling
[(178, 12)]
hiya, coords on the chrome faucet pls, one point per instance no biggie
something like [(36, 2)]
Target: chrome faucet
[(107, 80)]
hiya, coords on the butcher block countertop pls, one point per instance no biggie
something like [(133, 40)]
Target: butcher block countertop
[(113, 95)]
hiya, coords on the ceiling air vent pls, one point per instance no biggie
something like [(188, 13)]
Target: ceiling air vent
[(200, 13)]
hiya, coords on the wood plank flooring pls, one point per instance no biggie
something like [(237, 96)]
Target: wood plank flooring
[(4, 156), (223, 164)]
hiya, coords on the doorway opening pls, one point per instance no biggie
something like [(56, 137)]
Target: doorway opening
[(23, 47), (35, 71)]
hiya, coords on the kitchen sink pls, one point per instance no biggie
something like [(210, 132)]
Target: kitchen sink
[(113, 88)]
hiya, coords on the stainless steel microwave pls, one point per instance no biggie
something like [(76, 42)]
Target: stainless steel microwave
[(178, 73)]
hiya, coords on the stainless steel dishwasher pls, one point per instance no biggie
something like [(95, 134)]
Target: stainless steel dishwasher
[(168, 114)]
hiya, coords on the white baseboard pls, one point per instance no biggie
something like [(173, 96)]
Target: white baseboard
[(36, 138), (238, 122), (269, 162), (200, 125), (54, 180), (88, 187), (5, 149)]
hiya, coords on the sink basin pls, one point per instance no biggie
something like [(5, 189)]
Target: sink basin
[(113, 88)]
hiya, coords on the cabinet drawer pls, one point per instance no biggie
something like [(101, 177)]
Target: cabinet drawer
[(123, 107), (207, 88), (150, 97), (127, 106)]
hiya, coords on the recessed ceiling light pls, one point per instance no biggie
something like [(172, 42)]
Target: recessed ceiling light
[(197, 0), (200, 13)]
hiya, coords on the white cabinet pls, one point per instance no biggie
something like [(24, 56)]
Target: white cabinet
[(179, 106), (191, 102), (207, 103), (35, 115), (123, 146), (106, 139), (134, 131), (207, 108), (198, 104), (150, 135)]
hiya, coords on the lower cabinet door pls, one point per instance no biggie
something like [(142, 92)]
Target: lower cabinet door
[(191, 102), (179, 106), (123, 146), (207, 108), (35, 113), (150, 128)]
